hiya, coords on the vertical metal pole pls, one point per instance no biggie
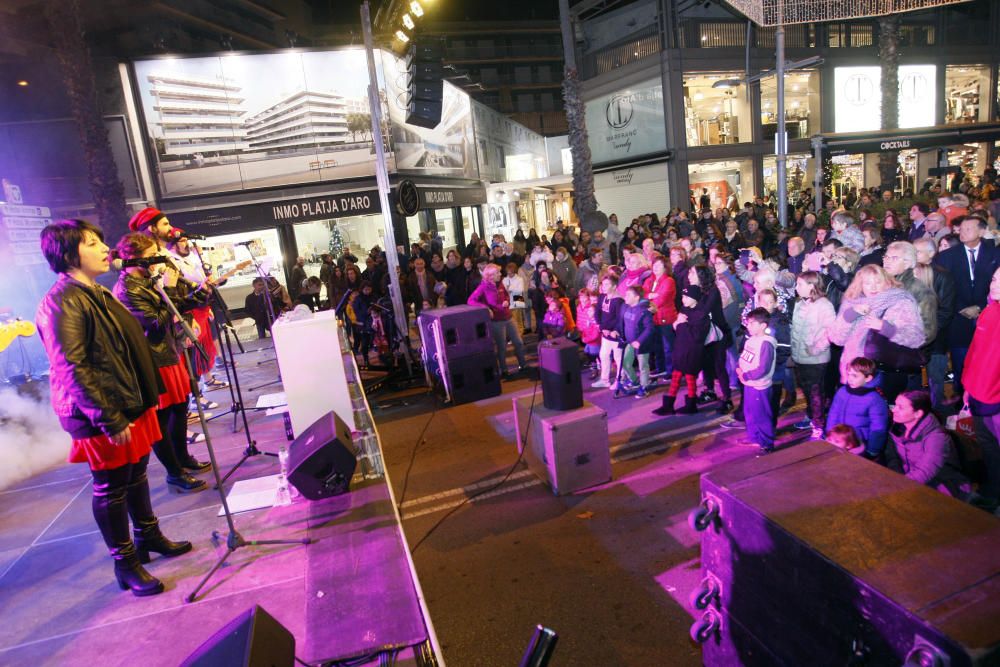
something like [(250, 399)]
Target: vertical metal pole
[(817, 142), (781, 148), (382, 176)]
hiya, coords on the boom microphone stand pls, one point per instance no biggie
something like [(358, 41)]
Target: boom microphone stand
[(234, 540), (270, 313)]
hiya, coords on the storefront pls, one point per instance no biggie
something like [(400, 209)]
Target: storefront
[(716, 109), (728, 183), (633, 191)]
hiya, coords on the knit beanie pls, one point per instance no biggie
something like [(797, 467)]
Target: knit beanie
[(145, 218)]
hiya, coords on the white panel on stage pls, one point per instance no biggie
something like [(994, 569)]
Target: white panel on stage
[(312, 369)]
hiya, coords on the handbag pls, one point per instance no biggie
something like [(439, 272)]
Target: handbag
[(714, 332), (891, 356)]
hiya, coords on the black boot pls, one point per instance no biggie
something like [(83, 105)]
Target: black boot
[(667, 408), (146, 527), (194, 465), (726, 407), (185, 483), (112, 519), (690, 406)]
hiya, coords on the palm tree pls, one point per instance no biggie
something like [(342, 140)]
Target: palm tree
[(888, 51), (78, 75)]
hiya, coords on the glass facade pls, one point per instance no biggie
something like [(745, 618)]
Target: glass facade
[(728, 182), (224, 253), (716, 111), (802, 108), (358, 235), (798, 175), (966, 96), (445, 221)]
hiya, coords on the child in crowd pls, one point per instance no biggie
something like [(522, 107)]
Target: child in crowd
[(361, 322), (637, 330), (756, 371), (844, 436), (858, 405), (690, 330), (812, 318), (513, 282), (779, 326), (590, 330), (609, 314), (554, 322)]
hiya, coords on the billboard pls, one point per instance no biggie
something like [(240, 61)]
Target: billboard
[(246, 121), (627, 124), (858, 98)]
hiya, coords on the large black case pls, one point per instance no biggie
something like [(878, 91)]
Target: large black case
[(813, 556), (458, 352), (559, 363)]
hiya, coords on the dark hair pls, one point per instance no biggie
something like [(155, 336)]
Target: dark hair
[(920, 400), (848, 434), (863, 365), (759, 315), (133, 245), (637, 290), (706, 277), (257, 281), (979, 220), (612, 276), (922, 207), (836, 243), (61, 241)]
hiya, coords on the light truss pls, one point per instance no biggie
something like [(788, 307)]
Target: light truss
[(790, 12)]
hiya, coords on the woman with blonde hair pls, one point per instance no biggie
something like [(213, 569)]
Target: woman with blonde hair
[(812, 317), (875, 302)]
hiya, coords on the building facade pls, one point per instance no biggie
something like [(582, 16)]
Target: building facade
[(664, 88)]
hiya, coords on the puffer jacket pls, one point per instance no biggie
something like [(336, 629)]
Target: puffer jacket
[(662, 294), (138, 294), (864, 410), (586, 322), (637, 326), (810, 322), (102, 376), (901, 324), (927, 455)]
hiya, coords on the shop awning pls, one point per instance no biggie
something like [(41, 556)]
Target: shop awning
[(878, 141)]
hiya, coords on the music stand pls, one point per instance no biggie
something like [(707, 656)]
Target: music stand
[(234, 540)]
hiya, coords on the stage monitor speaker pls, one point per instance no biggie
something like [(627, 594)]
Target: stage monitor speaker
[(252, 639), (559, 362), (321, 461), (464, 330)]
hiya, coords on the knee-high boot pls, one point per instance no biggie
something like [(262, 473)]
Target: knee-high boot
[(110, 512), (145, 526), (177, 426)]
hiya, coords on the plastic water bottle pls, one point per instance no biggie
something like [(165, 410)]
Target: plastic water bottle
[(283, 495)]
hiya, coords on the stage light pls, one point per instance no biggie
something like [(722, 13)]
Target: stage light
[(408, 22), (416, 9), (402, 36), (23, 83)]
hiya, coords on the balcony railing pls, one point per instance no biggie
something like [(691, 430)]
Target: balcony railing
[(635, 47), (498, 51)]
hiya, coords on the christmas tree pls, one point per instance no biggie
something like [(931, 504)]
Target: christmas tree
[(336, 241)]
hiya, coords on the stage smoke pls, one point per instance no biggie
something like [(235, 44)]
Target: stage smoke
[(31, 439)]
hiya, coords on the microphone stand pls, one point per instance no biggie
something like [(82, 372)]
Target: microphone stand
[(270, 316), (234, 540)]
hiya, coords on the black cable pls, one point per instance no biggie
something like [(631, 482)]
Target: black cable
[(469, 499), (413, 457)]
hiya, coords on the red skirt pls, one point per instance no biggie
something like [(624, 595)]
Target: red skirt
[(201, 316), (177, 383), (102, 454)]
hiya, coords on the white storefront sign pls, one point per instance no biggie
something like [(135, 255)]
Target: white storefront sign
[(858, 97), (627, 123), (632, 192)]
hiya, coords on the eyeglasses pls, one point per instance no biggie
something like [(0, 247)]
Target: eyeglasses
[(892, 257)]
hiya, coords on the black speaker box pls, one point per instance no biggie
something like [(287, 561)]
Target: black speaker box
[(321, 461), (252, 639), (423, 113), (464, 330), (474, 377), (559, 362), (429, 91)]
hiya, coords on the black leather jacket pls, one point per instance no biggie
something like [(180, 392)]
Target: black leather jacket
[(101, 378), (139, 295)]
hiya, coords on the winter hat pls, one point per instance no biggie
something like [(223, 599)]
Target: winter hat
[(145, 218), (693, 291)]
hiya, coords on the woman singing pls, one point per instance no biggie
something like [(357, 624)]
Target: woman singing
[(136, 290), (105, 390)]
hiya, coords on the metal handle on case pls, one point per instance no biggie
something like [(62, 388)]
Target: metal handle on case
[(705, 514)]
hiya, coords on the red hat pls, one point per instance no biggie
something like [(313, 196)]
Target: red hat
[(145, 218)]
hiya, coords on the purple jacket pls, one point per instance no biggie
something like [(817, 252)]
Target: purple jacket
[(494, 296)]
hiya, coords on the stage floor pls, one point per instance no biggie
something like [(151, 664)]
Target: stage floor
[(609, 569)]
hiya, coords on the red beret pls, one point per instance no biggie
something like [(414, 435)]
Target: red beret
[(144, 218)]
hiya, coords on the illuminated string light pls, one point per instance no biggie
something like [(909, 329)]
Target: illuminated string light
[(408, 22), (788, 12)]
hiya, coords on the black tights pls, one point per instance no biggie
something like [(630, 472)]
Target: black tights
[(172, 449), (117, 494)]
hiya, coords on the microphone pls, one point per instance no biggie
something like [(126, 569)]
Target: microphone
[(175, 234), (144, 262)]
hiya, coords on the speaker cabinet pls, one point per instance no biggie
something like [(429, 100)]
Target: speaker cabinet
[(559, 362), (252, 639), (423, 113), (464, 330), (322, 460)]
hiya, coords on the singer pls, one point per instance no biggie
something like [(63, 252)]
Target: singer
[(105, 389), (193, 270), (135, 289)]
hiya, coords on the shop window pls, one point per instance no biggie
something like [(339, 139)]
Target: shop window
[(728, 182), (716, 110), (965, 89), (802, 105), (445, 221), (227, 252), (798, 175)]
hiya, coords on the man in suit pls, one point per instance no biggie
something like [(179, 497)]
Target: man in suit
[(971, 265), (918, 212)]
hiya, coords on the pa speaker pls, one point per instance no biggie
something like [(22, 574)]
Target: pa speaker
[(252, 639), (559, 361), (321, 461), (423, 113)]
